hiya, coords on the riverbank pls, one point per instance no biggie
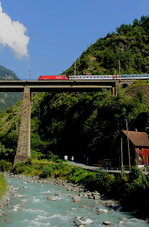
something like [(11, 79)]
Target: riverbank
[(81, 192), (6, 192), (123, 190), (39, 204), (3, 185), (4, 200)]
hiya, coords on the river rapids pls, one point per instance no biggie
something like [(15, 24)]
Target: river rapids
[(41, 205)]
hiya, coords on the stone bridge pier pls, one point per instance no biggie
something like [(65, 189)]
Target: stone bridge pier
[(23, 147)]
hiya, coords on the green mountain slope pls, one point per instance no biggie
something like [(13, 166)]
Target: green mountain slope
[(123, 51), (88, 123), (74, 124), (6, 74), (7, 98)]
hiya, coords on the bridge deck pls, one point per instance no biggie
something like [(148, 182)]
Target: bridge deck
[(55, 85)]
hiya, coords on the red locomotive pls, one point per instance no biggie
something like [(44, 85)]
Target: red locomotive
[(96, 77), (53, 77)]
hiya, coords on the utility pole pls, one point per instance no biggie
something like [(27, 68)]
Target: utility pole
[(122, 166), (75, 69), (128, 147), (76, 65), (28, 77), (119, 67)]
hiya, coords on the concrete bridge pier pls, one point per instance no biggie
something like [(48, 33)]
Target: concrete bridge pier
[(23, 147), (114, 90)]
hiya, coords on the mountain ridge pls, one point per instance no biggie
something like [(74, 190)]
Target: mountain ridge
[(7, 74), (125, 51), (7, 99)]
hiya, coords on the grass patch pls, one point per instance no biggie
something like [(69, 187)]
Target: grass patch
[(43, 168), (140, 83), (3, 185)]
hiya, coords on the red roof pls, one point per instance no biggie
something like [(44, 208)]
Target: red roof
[(139, 139)]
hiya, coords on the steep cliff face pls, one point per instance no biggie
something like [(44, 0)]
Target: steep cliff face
[(6, 98)]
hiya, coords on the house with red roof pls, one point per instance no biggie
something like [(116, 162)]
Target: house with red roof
[(131, 147)]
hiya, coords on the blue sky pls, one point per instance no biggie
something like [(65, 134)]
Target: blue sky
[(60, 30)]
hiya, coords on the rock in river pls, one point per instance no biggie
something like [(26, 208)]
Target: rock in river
[(53, 198), (107, 223), (82, 221)]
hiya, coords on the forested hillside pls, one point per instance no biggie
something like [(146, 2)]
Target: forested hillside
[(8, 99), (86, 124), (83, 125), (120, 52)]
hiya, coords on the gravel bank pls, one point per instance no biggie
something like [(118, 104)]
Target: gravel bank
[(80, 191), (6, 198)]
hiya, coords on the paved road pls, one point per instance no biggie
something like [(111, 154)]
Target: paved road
[(96, 168)]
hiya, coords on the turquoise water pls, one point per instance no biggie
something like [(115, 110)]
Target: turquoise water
[(30, 207)]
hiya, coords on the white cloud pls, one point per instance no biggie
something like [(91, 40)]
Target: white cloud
[(12, 35)]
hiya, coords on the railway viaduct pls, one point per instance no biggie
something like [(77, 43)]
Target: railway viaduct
[(27, 87)]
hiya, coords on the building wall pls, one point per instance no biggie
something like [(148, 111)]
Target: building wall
[(121, 151), (143, 156)]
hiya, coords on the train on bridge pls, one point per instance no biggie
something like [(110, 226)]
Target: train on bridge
[(95, 77)]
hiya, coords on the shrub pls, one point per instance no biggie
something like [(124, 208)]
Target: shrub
[(76, 175), (52, 157), (89, 181), (23, 167), (61, 170), (5, 166), (46, 172), (119, 186), (109, 183), (28, 162), (136, 192), (6, 153), (137, 179), (37, 155), (18, 168), (84, 177), (105, 182)]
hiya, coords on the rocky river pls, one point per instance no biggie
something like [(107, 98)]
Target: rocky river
[(32, 202)]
